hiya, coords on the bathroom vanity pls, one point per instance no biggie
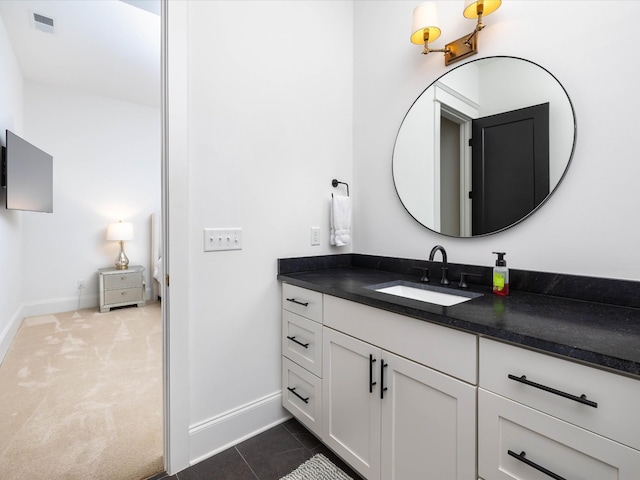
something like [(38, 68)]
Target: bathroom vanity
[(539, 386)]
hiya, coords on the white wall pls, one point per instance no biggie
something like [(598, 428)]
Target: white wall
[(269, 117), (11, 118), (268, 122), (106, 167), (590, 225)]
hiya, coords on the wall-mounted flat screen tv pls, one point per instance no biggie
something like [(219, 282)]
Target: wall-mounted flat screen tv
[(27, 176)]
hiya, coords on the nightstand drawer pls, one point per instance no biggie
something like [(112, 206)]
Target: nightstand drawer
[(123, 280), (123, 295)]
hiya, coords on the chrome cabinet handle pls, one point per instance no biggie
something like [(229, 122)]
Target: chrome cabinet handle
[(293, 339), (293, 300), (293, 390), (581, 399), (521, 456)]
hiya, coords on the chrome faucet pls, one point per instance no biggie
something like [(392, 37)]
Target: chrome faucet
[(445, 265)]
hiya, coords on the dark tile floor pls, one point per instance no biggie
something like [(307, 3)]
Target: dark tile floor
[(267, 456)]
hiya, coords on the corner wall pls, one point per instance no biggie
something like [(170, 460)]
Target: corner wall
[(11, 118), (269, 127), (590, 225)]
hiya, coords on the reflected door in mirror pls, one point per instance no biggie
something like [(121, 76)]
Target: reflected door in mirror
[(510, 167)]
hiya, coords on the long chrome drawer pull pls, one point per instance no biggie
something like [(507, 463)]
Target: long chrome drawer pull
[(371, 382), (304, 304), (293, 390), (581, 399), (293, 339), (521, 457)]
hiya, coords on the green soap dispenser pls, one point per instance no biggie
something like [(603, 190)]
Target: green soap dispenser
[(501, 275)]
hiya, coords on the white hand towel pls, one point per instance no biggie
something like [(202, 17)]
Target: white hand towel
[(340, 220)]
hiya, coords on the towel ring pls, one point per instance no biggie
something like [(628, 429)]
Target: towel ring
[(335, 183)]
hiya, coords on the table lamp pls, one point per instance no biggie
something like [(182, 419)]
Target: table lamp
[(120, 232)]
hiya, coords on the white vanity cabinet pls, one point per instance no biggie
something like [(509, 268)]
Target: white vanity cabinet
[(544, 417), (400, 399), (384, 413), (302, 355)]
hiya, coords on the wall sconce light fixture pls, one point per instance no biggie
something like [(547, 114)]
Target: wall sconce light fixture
[(425, 28)]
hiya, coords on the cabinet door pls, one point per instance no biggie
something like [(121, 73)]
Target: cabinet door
[(428, 423), (515, 442), (350, 403)]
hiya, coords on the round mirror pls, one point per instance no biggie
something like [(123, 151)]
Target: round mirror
[(484, 146)]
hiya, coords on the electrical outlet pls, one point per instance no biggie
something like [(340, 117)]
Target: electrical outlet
[(80, 284), (315, 236)]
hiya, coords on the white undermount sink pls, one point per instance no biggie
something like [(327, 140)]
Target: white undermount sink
[(425, 293)]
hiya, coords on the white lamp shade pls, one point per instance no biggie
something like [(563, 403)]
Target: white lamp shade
[(120, 231), (425, 17)]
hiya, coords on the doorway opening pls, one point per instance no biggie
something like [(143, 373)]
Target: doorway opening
[(454, 172)]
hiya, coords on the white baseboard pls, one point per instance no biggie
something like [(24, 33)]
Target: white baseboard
[(59, 305), (45, 307), (69, 304), (9, 333), (230, 428)]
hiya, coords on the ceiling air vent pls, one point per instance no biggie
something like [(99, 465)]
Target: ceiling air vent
[(43, 23)]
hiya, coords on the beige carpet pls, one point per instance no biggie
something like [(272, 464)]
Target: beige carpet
[(81, 396)]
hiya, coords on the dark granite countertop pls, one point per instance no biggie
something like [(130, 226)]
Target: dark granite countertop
[(601, 334)]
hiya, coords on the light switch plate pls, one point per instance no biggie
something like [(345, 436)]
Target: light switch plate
[(219, 239), (315, 236)]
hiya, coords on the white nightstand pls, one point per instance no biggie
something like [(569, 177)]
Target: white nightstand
[(119, 288)]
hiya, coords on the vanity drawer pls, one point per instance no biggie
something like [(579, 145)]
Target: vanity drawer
[(123, 295), (302, 301), (302, 341), (124, 280), (617, 397), (302, 395), (566, 450)]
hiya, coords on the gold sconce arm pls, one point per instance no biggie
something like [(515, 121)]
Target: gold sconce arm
[(424, 19), (428, 50), (479, 26)]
